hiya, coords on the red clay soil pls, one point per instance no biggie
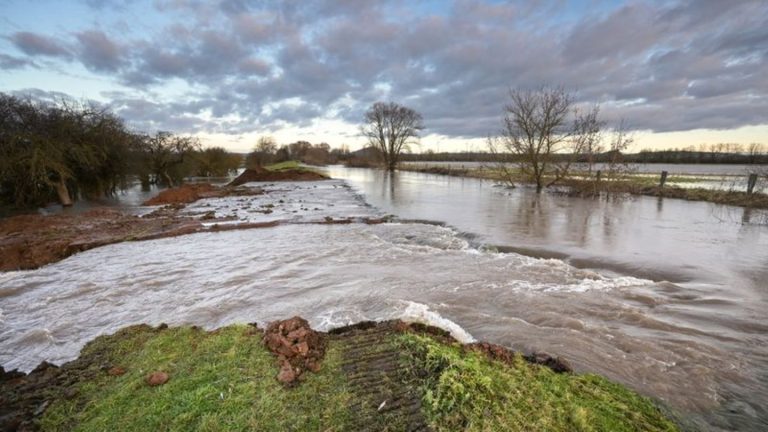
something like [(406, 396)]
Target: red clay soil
[(188, 193), (262, 175), (298, 348), (31, 241)]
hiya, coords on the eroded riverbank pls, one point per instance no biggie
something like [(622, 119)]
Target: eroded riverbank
[(31, 241), (370, 376)]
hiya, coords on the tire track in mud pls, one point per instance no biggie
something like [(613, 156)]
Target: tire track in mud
[(382, 399)]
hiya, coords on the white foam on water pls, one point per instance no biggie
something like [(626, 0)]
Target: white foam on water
[(420, 312), (308, 201), (333, 275)]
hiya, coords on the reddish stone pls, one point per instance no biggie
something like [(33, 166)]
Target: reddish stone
[(298, 334), (286, 374), (302, 348), (157, 378), (116, 371)]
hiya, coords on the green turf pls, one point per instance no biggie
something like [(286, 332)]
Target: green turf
[(225, 381), (291, 164), (219, 381)]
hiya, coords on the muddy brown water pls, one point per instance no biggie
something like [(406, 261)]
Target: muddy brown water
[(665, 296)]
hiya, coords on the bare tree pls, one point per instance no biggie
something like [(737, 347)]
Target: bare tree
[(544, 133), (263, 152), (166, 154), (620, 141), (391, 128)]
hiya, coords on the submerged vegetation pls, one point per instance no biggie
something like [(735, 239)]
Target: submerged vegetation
[(620, 182), (226, 380), (70, 150)]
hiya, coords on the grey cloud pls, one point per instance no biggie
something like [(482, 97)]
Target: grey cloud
[(661, 65), (99, 52), (8, 62), (627, 31), (35, 44), (254, 66)]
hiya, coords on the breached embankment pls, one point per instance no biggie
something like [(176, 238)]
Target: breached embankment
[(390, 375), (258, 174), (31, 241)]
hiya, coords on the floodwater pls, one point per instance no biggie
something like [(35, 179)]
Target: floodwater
[(644, 168), (666, 296), (707, 176)]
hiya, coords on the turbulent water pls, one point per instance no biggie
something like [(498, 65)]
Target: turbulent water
[(708, 176), (692, 332)]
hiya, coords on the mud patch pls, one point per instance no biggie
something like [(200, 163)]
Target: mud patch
[(30, 241), (189, 193), (505, 355), (24, 398), (383, 399), (262, 175)]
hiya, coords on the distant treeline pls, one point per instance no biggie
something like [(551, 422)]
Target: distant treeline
[(695, 157), (757, 155), (266, 151), (68, 150)]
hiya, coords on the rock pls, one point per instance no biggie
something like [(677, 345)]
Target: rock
[(286, 374), (298, 334), (557, 364), (157, 378), (301, 348), (9, 375), (41, 408), (298, 348), (43, 366), (116, 371)]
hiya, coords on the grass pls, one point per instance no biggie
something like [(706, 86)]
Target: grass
[(287, 165), (225, 381), (467, 391)]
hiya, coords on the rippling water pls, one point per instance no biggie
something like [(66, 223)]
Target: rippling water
[(692, 333)]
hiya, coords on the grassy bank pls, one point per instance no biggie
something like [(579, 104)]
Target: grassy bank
[(635, 184), (226, 380), (287, 165)]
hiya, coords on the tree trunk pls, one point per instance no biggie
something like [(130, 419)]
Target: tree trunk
[(168, 179), (63, 192)]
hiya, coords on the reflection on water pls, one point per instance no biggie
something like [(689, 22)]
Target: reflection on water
[(710, 263), (706, 176), (655, 238), (129, 199), (643, 168)]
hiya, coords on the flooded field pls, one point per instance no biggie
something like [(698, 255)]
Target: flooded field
[(666, 296), (731, 177)]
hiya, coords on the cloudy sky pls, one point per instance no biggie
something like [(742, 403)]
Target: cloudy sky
[(679, 72)]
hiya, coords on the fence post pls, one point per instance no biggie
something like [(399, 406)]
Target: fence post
[(751, 183), (663, 179)]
